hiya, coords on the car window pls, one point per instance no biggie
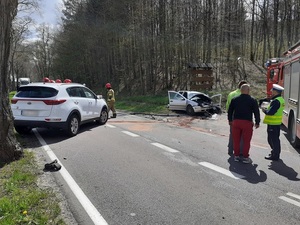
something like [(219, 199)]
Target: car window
[(36, 92), (88, 93), (172, 95), (178, 97), (75, 92)]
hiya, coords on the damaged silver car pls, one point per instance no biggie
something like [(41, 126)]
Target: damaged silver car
[(193, 102)]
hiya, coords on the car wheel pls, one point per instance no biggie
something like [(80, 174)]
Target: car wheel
[(190, 111), (73, 125), (103, 117), (23, 129)]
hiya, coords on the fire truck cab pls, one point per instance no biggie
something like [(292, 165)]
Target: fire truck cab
[(274, 74)]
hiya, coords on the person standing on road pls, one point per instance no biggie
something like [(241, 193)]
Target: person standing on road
[(230, 96), (240, 117), (111, 100), (273, 118)]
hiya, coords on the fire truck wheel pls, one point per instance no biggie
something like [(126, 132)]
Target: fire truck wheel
[(292, 132)]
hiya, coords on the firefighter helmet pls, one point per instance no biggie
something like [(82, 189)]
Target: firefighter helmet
[(46, 80), (67, 81), (108, 85), (57, 81)]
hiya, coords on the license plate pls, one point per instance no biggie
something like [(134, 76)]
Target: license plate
[(29, 113)]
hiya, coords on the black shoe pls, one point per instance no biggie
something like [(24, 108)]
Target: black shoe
[(270, 157)]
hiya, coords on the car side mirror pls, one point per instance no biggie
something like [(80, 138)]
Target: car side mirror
[(99, 96)]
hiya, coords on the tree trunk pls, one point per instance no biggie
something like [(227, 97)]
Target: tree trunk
[(9, 147)]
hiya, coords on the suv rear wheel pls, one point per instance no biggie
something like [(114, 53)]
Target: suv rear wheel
[(73, 125)]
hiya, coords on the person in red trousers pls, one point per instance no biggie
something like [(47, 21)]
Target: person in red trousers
[(240, 117)]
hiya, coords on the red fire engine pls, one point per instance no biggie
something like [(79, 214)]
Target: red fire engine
[(285, 71)]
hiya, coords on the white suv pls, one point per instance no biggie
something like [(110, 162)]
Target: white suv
[(56, 105)]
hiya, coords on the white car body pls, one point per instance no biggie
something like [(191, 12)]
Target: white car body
[(56, 105), (194, 102)]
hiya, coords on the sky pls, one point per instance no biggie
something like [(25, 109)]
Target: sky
[(49, 12)]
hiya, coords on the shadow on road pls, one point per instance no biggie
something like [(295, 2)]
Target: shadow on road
[(286, 134), (282, 169), (248, 171)]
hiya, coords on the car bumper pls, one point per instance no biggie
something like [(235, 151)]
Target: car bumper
[(200, 109), (33, 124)]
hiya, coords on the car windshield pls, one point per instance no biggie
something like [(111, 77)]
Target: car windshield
[(36, 92), (24, 82)]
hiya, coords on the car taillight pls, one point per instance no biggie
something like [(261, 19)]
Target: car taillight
[(54, 102), (14, 101)]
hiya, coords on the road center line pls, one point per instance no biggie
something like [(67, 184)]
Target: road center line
[(130, 134), (93, 213), (290, 200), (166, 148), (221, 170), (293, 195)]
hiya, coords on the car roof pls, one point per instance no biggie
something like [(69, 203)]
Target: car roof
[(48, 84), (192, 92)]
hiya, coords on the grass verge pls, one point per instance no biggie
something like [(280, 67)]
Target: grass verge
[(21, 200), (143, 104)]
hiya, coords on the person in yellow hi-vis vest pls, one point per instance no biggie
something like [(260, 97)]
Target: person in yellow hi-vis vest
[(111, 100), (273, 119)]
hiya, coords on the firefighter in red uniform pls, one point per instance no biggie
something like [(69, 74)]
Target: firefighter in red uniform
[(111, 100)]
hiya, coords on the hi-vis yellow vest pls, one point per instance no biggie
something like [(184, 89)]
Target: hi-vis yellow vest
[(277, 117)]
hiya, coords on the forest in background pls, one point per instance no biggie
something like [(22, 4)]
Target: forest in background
[(145, 46)]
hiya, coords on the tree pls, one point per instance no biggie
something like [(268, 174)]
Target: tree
[(9, 147)]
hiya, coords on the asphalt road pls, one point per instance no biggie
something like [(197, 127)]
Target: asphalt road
[(172, 170)]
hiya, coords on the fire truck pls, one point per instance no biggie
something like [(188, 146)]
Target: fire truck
[(285, 71)]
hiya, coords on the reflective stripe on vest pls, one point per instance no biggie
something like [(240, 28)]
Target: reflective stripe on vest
[(277, 117)]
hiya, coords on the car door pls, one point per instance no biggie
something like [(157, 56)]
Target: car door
[(176, 101), (95, 105), (81, 103), (217, 100)]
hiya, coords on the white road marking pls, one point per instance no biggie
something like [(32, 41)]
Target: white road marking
[(82, 198), (289, 200), (293, 195), (130, 134), (110, 126), (166, 148), (221, 170)]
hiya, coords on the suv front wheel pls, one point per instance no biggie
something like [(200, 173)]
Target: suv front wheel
[(103, 117), (73, 125)]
